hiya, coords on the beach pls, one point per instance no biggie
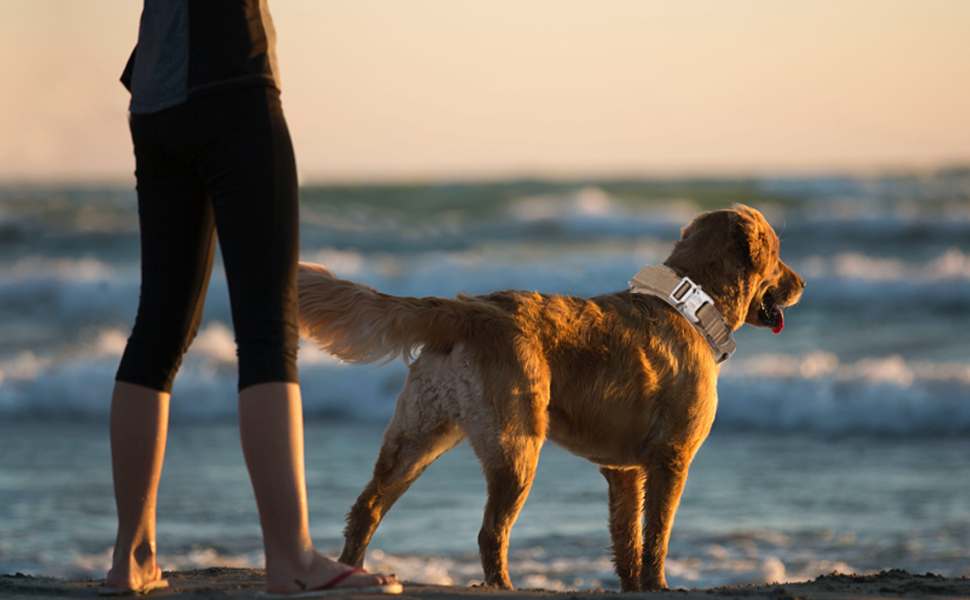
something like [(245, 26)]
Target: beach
[(220, 582), (841, 444)]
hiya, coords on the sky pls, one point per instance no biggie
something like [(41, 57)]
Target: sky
[(394, 90)]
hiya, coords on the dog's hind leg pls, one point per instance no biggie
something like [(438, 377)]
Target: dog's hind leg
[(626, 523), (506, 427), (411, 443), (509, 469)]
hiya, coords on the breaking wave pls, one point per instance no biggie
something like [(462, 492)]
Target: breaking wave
[(815, 392)]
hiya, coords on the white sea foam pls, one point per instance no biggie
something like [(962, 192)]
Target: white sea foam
[(87, 268), (892, 369), (63, 291), (756, 557), (584, 202), (78, 382), (813, 392), (528, 569), (816, 392), (950, 265)]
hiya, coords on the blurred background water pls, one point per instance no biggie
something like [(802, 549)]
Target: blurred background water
[(843, 443)]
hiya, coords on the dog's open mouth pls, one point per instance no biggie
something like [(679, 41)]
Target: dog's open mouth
[(770, 313)]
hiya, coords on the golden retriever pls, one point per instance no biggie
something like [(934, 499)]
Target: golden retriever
[(621, 379)]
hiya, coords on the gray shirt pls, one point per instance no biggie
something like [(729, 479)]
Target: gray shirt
[(187, 48)]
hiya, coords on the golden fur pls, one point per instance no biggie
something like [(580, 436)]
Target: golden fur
[(622, 380)]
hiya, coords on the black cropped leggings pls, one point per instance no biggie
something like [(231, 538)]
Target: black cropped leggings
[(222, 162)]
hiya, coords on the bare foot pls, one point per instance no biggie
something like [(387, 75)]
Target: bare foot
[(135, 579), (319, 572)]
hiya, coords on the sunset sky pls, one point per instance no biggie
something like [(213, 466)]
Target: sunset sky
[(445, 89)]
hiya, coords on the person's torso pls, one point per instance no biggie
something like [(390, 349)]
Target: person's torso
[(187, 48)]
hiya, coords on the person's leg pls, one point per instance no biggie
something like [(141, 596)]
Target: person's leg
[(271, 428), (178, 244), (252, 180), (139, 426)]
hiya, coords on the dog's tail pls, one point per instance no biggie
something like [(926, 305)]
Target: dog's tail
[(356, 323)]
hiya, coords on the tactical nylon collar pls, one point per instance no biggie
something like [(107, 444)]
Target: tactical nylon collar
[(691, 302)]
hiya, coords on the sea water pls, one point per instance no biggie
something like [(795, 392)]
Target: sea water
[(841, 444)]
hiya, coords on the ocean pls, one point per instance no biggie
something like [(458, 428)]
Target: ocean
[(841, 444)]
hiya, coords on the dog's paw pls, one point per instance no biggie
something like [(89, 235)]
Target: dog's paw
[(655, 586)]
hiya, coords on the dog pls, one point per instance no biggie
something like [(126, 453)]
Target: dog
[(623, 380)]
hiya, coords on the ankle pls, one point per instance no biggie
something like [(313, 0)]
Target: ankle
[(140, 559), (290, 562), (144, 554)]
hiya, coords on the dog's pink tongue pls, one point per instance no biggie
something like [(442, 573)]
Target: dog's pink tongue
[(781, 321)]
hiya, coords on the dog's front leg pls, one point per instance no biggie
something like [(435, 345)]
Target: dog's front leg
[(666, 474), (626, 518)]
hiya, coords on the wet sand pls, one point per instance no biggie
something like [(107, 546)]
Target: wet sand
[(222, 583)]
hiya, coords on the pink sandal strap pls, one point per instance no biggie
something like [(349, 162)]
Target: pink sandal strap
[(336, 580)]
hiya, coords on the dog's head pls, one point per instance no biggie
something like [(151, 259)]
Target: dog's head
[(733, 255)]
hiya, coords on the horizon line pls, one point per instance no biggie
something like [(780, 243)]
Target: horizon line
[(544, 176)]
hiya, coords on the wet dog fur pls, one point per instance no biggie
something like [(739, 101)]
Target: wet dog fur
[(621, 379)]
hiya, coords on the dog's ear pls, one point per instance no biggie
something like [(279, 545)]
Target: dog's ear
[(703, 243), (705, 234), (752, 237)]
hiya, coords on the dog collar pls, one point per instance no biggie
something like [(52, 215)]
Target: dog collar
[(691, 302)]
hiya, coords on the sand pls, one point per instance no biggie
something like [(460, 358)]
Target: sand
[(223, 583)]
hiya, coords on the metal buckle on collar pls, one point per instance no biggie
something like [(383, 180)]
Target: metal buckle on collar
[(688, 298)]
